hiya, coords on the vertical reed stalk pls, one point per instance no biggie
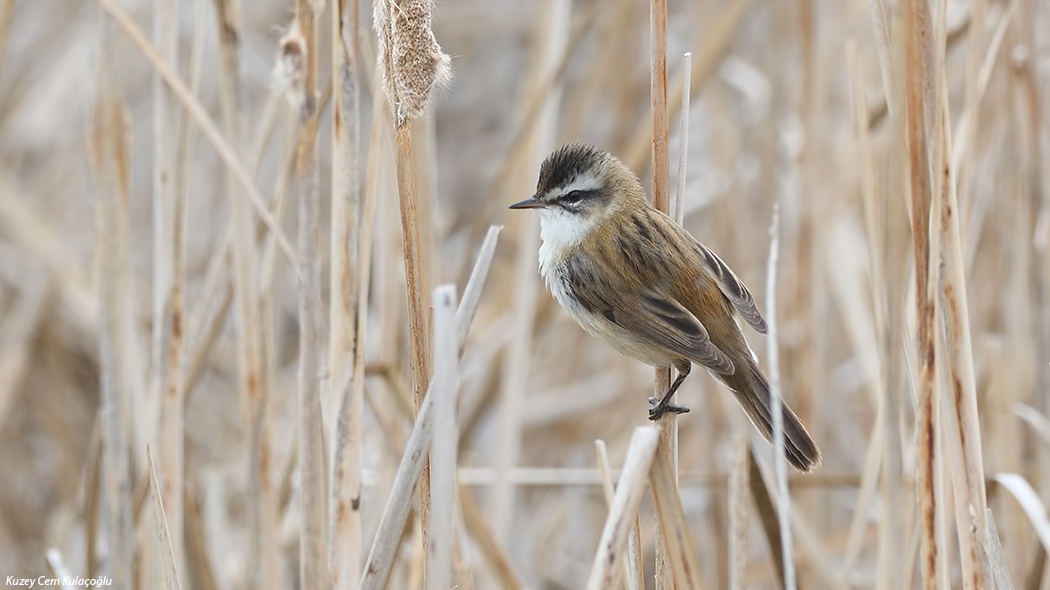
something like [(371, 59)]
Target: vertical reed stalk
[(412, 64), (776, 405), (164, 387), (922, 105), (109, 156), (252, 384), (392, 522), (313, 555), (446, 439), (661, 200), (348, 290)]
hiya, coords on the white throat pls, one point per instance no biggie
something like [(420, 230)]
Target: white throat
[(560, 231)]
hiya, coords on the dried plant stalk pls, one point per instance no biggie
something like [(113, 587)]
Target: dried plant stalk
[(661, 200), (244, 295), (634, 576), (921, 104), (211, 131), (776, 404), (392, 522), (716, 42), (675, 529), (738, 519), (629, 489), (299, 47), (166, 337), (171, 568), (412, 65), (109, 159), (348, 292), (446, 439)]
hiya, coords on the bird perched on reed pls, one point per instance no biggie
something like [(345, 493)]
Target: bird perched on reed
[(635, 279)]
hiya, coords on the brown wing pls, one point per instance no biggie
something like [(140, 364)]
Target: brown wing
[(666, 323), (732, 288), (649, 312)]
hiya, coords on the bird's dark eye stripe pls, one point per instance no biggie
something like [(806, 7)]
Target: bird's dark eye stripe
[(573, 197)]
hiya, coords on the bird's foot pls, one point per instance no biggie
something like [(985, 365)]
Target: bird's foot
[(659, 408)]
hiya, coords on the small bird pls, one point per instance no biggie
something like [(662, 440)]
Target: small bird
[(635, 279)]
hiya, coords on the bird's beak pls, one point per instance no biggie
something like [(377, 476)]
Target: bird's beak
[(530, 203)]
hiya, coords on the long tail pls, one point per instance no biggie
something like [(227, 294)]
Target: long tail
[(752, 392)]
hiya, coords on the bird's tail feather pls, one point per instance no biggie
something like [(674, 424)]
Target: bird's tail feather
[(752, 392)]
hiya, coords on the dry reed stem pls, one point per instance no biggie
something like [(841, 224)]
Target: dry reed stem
[(738, 517), (776, 405), (633, 576), (668, 423), (640, 453), (683, 140), (716, 43), (207, 125), (922, 105), (767, 513), (971, 503), (167, 552), (419, 359), (244, 294), (392, 521), (446, 439), (678, 543), (167, 243), (348, 291), (109, 157), (874, 224), (300, 46)]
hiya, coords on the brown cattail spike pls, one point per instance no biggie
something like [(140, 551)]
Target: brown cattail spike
[(409, 56)]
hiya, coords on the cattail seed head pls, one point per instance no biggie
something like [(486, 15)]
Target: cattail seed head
[(409, 56)]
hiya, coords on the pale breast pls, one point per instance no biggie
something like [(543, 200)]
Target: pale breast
[(554, 269)]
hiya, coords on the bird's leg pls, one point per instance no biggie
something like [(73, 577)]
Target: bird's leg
[(664, 404)]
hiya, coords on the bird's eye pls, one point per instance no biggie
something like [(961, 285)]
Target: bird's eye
[(572, 197)]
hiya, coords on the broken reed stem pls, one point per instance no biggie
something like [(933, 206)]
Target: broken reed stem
[(313, 537), (633, 576), (392, 522), (675, 528), (629, 490), (348, 292), (446, 439)]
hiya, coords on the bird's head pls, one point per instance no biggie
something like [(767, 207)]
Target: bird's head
[(581, 187)]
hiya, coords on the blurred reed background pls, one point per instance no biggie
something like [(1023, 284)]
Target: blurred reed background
[(146, 301)]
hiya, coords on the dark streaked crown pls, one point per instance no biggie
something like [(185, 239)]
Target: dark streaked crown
[(569, 162)]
